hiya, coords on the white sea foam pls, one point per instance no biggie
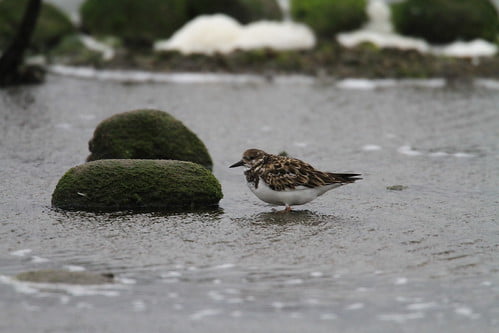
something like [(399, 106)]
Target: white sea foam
[(407, 150), (142, 76), (278, 305), (316, 274), (64, 126), (487, 83), (421, 306), (380, 32), (139, 305), (355, 306), (401, 317), (328, 316), (224, 266), (205, 313), (371, 147), (462, 155), (293, 281), (215, 295), (358, 84), (217, 78), (401, 280), (438, 154), (471, 49), (467, 312), (171, 274), (300, 144), (219, 33), (91, 43), (74, 268), (125, 280), (21, 253), (276, 36), (39, 260)]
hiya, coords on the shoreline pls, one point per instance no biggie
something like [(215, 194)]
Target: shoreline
[(326, 60)]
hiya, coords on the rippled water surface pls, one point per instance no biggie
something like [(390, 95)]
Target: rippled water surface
[(360, 258)]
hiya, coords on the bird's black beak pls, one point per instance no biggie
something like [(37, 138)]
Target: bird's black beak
[(237, 164)]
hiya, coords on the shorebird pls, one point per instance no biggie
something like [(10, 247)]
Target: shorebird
[(286, 181)]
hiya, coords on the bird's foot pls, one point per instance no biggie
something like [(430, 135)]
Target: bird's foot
[(285, 210)]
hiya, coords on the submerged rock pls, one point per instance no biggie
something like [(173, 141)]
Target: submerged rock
[(397, 187), (61, 276), (112, 185), (52, 24), (147, 134)]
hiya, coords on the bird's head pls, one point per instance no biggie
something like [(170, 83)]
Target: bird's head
[(250, 158)]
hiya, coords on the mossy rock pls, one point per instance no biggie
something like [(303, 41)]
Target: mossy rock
[(52, 24), (144, 185), (444, 21), (329, 17), (67, 277), (244, 11), (71, 50), (147, 134), (136, 22)]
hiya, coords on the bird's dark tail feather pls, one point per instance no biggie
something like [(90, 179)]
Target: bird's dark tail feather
[(346, 177)]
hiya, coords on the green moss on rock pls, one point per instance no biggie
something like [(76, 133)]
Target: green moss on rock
[(328, 17), (147, 134), (52, 24), (72, 50), (244, 11), (443, 21), (136, 22), (60, 276), (112, 185)]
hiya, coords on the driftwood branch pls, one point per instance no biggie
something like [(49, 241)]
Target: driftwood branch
[(12, 60)]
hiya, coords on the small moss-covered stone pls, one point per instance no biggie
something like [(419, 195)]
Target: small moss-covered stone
[(328, 17), (60, 276), (136, 22), (112, 185), (397, 187), (444, 21), (244, 11), (147, 134), (52, 24)]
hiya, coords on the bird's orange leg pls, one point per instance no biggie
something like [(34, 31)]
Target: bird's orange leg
[(286, 210)]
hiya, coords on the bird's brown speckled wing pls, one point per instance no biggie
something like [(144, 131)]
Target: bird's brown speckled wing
[(285, 173)]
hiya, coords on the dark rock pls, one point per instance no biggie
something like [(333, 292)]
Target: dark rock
[(444, 21), (244, 11), (147, 134), (397, 187), (136, 22), (328, 17), (150, 185), (60, 276), (52, 24)]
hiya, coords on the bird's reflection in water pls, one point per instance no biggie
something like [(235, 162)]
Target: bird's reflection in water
[(304, 217)]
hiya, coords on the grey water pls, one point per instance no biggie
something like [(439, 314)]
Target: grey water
[(361, 258)]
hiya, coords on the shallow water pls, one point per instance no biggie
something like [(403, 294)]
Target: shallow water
[(360, 258)]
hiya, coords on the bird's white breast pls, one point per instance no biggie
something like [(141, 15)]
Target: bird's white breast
[(299, 196)]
